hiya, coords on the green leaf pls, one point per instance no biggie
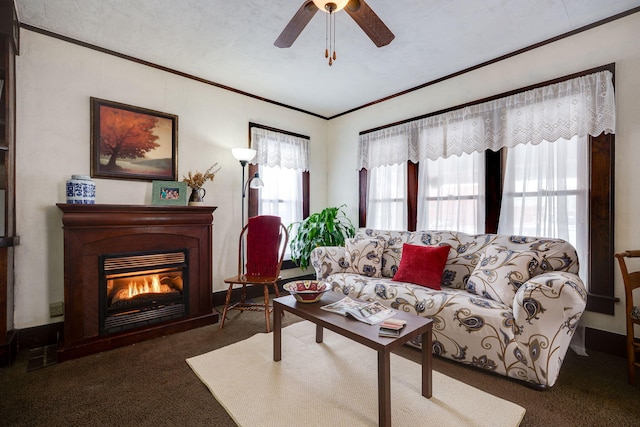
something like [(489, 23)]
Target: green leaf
[(329, 227)]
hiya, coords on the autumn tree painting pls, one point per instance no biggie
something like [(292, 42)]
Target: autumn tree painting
[(133, 143), (125, 134)]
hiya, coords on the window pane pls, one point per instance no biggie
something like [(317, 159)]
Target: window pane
[(387, 197), (451, 194)]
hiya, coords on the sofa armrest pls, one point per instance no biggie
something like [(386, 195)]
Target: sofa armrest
[(546, 312), (328, 260)]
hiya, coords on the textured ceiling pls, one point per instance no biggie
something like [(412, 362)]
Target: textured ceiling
[(231, 42)]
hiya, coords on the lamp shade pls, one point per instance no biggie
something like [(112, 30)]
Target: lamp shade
[(243, 154), (256, 182), (339, 5)]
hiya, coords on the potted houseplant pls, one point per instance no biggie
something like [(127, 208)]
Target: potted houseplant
[(329, 227)]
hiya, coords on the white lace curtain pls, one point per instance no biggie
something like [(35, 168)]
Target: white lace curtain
[(451, 194), (279, 149), (387, 197), (546, 193), (579, 106)]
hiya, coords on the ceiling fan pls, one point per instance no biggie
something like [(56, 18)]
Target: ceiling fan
[(364, 16)]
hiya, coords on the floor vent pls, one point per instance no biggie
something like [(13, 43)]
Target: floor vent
[(42, 357)]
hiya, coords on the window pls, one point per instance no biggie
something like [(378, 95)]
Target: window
[(282, 162), (546, 193), (387, 197), (451, 194), (561, 189)]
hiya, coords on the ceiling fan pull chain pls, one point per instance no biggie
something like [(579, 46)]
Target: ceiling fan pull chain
[(326, 37), (332, 35)]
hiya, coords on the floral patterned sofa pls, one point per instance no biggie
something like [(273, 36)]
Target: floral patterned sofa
[(507, 304)]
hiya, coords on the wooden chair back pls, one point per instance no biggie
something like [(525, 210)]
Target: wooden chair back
[(631, 281)]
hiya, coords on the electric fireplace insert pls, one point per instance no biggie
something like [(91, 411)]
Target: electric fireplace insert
[(139, 289)]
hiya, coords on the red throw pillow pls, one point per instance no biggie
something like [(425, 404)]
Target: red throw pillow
[(422, 265)]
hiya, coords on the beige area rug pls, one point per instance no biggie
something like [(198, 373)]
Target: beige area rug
[(335, 384)]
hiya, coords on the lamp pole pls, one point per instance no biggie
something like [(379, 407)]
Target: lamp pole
[(244, 191)]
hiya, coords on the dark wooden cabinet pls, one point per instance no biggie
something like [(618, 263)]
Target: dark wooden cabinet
[(9, 48)]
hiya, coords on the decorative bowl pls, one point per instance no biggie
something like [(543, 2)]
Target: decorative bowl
[(306, 291)]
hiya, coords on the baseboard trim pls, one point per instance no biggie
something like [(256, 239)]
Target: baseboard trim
[(40, 336), (605, 342), (8, 349)]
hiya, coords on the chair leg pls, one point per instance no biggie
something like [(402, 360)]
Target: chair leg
[(277, 290), (227, 300), (631, 354), (267, 312), (631, 360)]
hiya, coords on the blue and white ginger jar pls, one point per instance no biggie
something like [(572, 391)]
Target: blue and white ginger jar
[(81, 190)]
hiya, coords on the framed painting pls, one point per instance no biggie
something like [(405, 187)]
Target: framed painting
[(169, 193), (130, 142)]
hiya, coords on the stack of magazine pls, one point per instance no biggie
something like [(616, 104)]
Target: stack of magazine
[(391, 327), (367, 312)]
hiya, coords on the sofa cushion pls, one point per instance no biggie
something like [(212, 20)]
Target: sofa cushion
[(422, 265), (500, 273), (364, 256)]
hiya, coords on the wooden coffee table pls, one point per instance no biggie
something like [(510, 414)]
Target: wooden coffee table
[(364, 334)]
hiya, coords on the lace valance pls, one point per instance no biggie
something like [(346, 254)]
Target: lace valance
[(579, 106), (279, 149)]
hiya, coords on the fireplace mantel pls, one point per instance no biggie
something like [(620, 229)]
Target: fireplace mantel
[(94, 230)]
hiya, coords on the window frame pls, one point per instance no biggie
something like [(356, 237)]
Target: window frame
[(601, 297)]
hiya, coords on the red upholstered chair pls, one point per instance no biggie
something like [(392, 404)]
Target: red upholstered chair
[(265, 239), (631, 281)]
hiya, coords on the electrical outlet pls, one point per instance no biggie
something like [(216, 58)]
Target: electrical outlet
[(56, 309)]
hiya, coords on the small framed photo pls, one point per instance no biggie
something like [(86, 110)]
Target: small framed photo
[(169, 193), (130, 142)]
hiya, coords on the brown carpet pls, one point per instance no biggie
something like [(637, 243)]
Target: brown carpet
[(150, 384)]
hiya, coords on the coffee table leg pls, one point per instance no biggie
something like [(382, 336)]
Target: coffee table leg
[(384, 388), (319, 333), (277, 332), (427, 364)]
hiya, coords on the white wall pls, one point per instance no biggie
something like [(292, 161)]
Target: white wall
[(55, 80), (614, 42)]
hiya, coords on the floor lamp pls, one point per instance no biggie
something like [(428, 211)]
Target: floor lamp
[(244, 155)]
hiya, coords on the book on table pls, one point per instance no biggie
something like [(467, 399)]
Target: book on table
[(367, 312), (391, 327)]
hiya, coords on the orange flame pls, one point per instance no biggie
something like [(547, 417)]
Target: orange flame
[(148, 285), (144, 287)]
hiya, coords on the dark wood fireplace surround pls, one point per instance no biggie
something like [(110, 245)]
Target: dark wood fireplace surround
[(94, 230)]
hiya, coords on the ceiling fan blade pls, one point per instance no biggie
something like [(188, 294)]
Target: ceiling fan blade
[(367, 19), (297, 24)]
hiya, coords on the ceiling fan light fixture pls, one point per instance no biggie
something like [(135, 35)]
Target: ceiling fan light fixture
[(358, 10), (330, 6)]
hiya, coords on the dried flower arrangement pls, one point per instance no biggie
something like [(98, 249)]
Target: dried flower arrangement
[(198, 179)]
